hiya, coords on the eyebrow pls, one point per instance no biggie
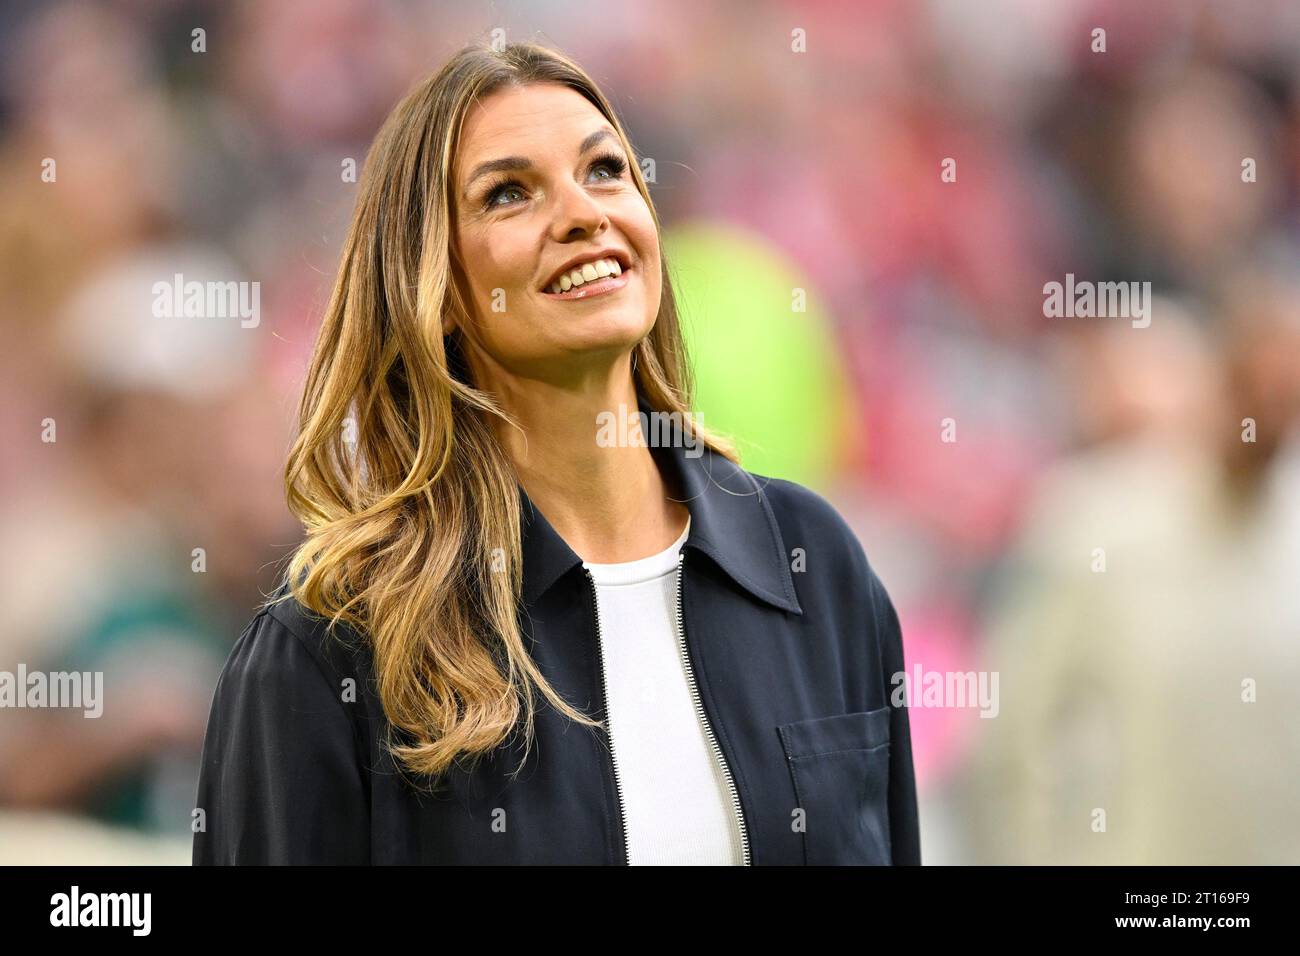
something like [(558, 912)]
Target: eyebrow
[(515, 163)]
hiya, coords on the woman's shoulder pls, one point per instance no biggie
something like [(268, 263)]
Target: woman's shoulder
[(806, 511), (810, 522), (835, 563), (286, 642), (281, 778)]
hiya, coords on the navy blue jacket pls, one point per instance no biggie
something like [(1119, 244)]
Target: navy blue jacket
[(793, 672)]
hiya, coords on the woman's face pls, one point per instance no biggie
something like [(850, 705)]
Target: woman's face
[(541, 179)]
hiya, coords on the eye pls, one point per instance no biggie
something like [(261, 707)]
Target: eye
[(502, 189), (611, 161)]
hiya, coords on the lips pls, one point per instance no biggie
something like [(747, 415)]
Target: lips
[(589, 267), (602, 285)]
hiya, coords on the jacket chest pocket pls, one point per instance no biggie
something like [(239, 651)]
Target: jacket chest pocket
[(840, 768)]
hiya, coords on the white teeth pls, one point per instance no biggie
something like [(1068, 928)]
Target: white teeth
[(587, 272)]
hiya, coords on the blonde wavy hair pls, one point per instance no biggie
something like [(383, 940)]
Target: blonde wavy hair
[(403, 489)]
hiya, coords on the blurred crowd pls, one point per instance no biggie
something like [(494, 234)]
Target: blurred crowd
[(1106, 516)]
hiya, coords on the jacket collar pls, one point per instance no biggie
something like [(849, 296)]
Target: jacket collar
[(731, 522)]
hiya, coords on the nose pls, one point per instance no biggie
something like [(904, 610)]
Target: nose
[(577, 213)]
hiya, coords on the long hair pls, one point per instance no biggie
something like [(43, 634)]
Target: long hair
[(409, 502)]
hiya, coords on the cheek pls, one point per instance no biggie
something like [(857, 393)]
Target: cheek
[(491, 253), (499, 273), (651, 265), (639, 227), (496, 269)]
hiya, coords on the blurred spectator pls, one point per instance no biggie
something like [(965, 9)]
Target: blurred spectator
[(1146, 637)]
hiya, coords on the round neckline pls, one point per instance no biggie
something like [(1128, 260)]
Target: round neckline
[(640, 569)]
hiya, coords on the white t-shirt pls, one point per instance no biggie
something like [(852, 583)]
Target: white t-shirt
[(676, 803)]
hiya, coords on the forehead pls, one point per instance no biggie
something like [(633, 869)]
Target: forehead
[(525, 121)]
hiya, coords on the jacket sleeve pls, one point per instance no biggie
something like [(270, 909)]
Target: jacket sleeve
[(280, 781), (904, 817)]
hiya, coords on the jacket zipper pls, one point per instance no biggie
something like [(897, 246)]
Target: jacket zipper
[(704, 720), (604, 693)]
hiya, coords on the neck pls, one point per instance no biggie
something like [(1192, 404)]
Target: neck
[(610, 502)]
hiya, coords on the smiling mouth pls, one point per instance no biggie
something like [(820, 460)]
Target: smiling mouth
[(589, 280)]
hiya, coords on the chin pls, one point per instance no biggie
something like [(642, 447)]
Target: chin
[(605, 327)]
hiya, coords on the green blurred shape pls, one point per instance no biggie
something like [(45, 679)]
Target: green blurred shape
[(766, 375)]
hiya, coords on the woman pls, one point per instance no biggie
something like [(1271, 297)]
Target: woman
[(492, 552)]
